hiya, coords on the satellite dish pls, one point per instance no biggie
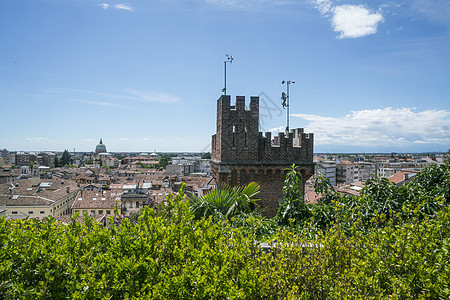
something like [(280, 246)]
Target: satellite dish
[(282, 82)]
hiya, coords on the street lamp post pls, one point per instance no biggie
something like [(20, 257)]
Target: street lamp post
[(229, 59), (285, 103)]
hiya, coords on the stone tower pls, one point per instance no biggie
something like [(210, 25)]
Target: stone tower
[(241, 154)]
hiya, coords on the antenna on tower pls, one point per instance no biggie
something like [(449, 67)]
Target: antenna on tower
[(229, 59), (285, 102)]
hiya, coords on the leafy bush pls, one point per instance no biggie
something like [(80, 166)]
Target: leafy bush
[(379, 202), (292, 209), (170, 254), (197, 259)]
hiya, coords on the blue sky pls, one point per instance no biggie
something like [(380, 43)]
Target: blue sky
[(144, 75)]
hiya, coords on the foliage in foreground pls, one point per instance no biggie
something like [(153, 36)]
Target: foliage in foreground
[(225, 201), (388, 243), (170, 255), (379, 203)]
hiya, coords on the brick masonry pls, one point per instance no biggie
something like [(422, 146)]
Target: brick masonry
[(241, 154)]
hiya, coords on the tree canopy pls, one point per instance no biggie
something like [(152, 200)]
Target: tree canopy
[(65, 159)]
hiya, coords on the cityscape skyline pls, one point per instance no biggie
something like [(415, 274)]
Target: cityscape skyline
[(371, 76)]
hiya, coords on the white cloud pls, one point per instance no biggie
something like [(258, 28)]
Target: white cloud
[(350, 21), (124, 7), (124, 139), (324, 6), (353, 21), (399, 127), (40, 139), (154, 96), (278, 129), (120, 6)]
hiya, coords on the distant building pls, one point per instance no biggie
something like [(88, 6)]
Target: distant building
[(111, 162), (24, 158), (4, 153), (346, 172), (100, 148), (366, 170), (96, 203), (402, 177), (45, 159), (328, 170), (136, 198), (181, 169), (185, 165), (37, 199), (387, 172), (8, 174)]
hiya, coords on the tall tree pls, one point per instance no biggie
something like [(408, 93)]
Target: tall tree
[(66, 158), (164, 161), (56, 162)]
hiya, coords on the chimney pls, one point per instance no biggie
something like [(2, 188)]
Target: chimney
[(68, 189)]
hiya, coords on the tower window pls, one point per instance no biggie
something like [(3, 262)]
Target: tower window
[(234, 136), (245, 137)]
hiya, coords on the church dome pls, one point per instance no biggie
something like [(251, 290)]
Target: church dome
[(100, 148)]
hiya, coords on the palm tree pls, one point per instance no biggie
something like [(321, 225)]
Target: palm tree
[(225, 201)]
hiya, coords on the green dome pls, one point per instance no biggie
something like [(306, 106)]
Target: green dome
[(100, 148)]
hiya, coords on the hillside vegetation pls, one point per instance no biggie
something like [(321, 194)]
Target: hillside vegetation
[(387, 243)]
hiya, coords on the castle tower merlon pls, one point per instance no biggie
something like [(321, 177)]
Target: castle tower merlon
[(254, 106), (223, 104), (268, 135), (223, 108), (280, 137), (289, 139), (240, 103)]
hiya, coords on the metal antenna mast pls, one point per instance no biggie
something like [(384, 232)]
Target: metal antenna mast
[(285, 103), (229, 59)]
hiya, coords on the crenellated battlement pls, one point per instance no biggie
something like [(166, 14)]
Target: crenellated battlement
[(296, 146), (238, 138), (241, 154)]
